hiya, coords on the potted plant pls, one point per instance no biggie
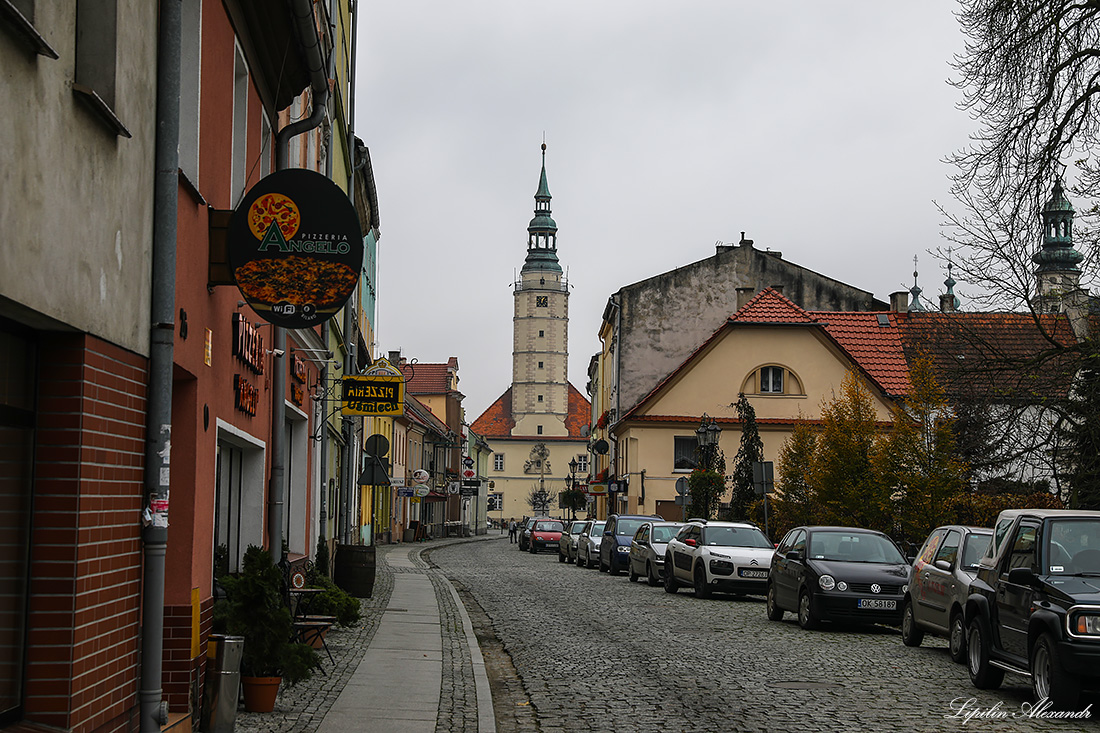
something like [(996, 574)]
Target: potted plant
[(255, 608)]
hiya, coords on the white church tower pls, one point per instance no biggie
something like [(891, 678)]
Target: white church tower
[(540, 351)]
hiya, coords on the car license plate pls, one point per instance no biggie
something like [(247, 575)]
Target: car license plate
[(877, 604), (750, 573)]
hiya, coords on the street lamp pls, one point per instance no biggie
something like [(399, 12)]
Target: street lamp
[(571, 484), (707, 434)]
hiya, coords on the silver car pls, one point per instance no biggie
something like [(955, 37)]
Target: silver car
[(647, 551), (939, 583), (567, 545), (588, 544)]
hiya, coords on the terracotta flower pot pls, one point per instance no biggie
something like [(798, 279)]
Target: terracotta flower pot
[(259, 693)]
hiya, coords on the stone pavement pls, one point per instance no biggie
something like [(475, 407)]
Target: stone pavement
[(411, 664)]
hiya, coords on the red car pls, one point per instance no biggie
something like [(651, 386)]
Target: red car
[(545, 535)]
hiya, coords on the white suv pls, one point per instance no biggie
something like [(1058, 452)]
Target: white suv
[(734, 557)]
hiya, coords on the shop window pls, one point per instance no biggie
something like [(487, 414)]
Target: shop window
[(238, 499)]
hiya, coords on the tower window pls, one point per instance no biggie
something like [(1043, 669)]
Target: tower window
[(542, 333), (539, 430), (540, 365), (540, 398)]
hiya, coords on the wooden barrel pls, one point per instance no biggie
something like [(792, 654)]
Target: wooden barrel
[(353, 569)]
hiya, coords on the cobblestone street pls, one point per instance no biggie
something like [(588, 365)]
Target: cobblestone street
[(598, 653)]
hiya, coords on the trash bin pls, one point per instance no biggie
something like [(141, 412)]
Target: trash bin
[(353, 569), (223, 680)]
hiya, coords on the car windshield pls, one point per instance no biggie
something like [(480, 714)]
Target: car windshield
[(549, 527), (664, 534), (597, 528), (853, 547), (628, 526), (975, 547), (735, 537), (1074, 546), (576, 528)]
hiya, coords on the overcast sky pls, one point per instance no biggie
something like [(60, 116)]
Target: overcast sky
[(819, 129)]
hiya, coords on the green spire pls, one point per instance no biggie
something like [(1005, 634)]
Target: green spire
[(1057, 253), (542, 232)]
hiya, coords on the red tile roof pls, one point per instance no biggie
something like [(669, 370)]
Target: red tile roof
[(769, 306), (429, 378), (875, 348), (496, 422)]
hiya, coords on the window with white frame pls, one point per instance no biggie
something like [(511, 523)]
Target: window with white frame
[(771, 380), (239, 168), (582, 464), (498, 461)]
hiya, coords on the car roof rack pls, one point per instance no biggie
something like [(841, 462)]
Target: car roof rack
[(698, 520)]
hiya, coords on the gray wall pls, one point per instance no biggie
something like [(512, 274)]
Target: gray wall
[(75, 200), (666, 317)]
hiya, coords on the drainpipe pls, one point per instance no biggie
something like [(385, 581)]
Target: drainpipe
[(153, 710), (302, 10)]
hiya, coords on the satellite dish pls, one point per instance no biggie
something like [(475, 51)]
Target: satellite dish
[(601, 447)]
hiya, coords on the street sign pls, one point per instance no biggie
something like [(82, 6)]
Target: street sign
[(422, 491), (762, 477), (467, 462), (681, 486), (377, 445), (405, 491), (468, 473)]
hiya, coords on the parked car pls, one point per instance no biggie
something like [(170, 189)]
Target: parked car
[(617, 535), (525, 532), (567, 546), (545, 535), (939, 584), (837, 574), (1034, 608), (588, 544), (647, 550), (718, 556)]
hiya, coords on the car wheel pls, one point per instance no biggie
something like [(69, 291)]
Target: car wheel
[(983, 674), (775, 613), (561, 555), (580, 562), (957, 638), (631, 575), (806, 617), (670, 578), (911, 635), (702, 590), (602, 568), (651, 576), (1048, 680), (612, 568)]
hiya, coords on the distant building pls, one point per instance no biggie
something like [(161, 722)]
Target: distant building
[(541, 407)]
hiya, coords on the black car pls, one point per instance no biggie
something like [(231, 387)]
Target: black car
[(837, 574), (1034, 608), (617, 535)]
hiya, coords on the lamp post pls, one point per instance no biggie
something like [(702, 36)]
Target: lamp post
[(707, 434), (571, 484)]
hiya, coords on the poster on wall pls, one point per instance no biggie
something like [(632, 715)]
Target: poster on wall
[(295, 248)]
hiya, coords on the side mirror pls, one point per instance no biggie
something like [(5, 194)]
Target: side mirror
[(1022, 576), (941, 564), (794, 555), (690, 543)]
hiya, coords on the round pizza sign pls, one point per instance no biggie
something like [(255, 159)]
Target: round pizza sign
[(295, 248)]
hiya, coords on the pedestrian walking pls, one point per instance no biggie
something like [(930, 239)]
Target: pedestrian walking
[(512, 530)]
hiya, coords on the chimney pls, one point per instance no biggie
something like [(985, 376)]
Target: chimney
[(745, 242), (947, 303), (899, 301), (744, 295), (778, 289), (395, 357)]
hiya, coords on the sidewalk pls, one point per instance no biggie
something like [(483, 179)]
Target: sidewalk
[(411, 665)]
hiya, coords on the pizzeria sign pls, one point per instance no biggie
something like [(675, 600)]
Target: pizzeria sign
[(380, 391), (295, 248)]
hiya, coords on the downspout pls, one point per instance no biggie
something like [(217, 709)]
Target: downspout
[(302, 10), (322, 527), (153, 710)]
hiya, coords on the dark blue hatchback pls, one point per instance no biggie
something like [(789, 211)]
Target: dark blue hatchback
[(615, 546)]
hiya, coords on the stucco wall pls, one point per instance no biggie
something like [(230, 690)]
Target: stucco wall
[(516, 485), (665, 318), (76, 209)]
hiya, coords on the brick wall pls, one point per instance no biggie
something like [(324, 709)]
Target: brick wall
[(82, 671)]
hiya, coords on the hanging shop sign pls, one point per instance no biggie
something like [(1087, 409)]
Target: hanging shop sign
[(295, 248), (380, 391), (598, 488)]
